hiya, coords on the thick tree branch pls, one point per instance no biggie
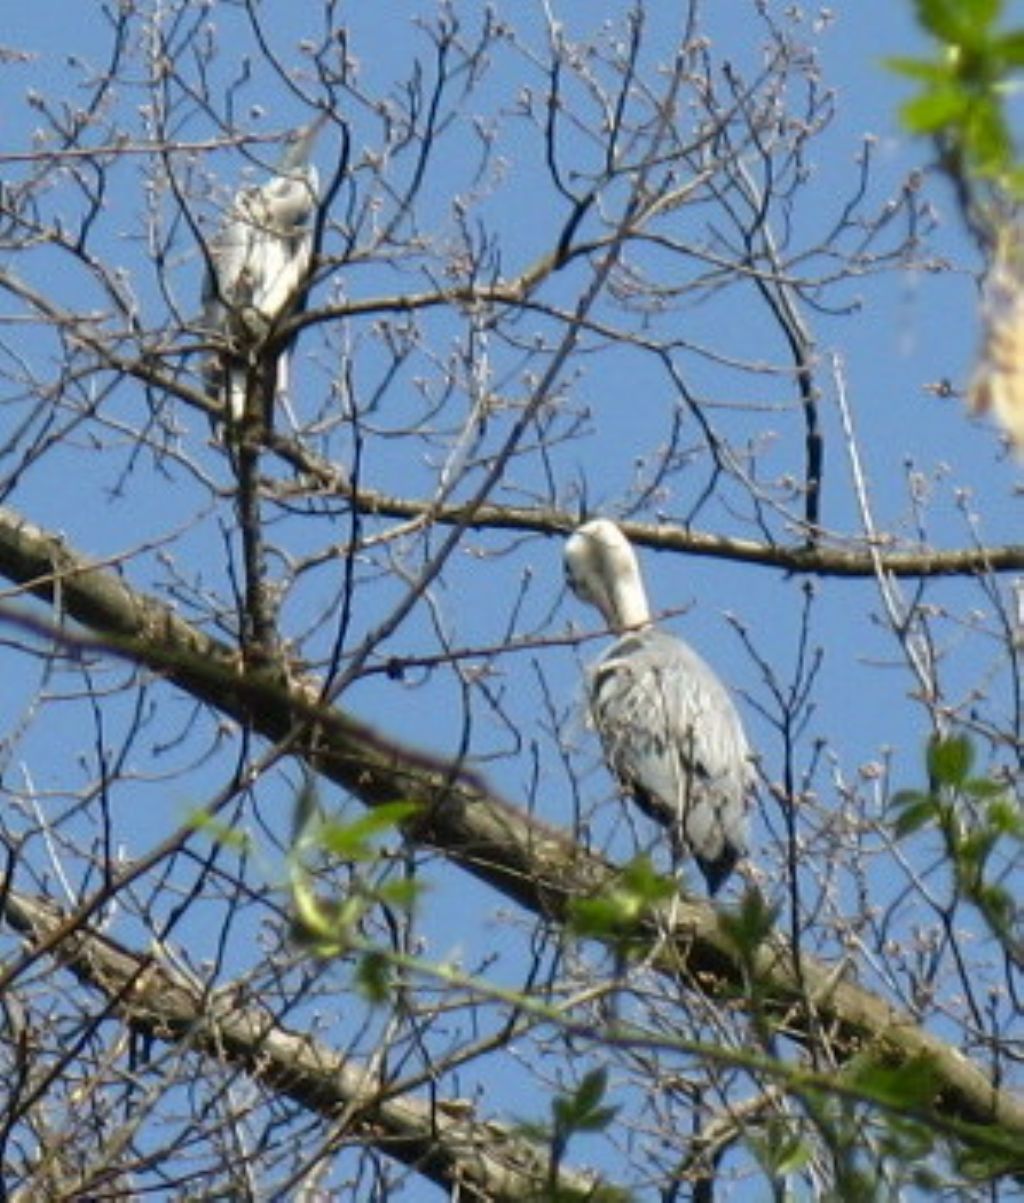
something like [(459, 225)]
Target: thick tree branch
[(538, 865), (484, 1160)]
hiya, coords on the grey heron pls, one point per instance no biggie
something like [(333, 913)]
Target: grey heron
[(669, 730), (257, 272)]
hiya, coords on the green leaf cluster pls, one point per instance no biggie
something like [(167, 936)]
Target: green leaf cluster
[(581, 1109), (974, 815), (331, 927), (962, 90), (620, 911)]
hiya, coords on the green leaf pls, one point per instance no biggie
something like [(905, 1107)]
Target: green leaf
[(960, 22), (601, 918), (911, 1085), (997, 904), (978, 1160), (908, 797), (973, 850), (950, 760), (982, 788), (779, 1148), (306, 808), (915, 819), (792, 1157), (596, 1120), (591, 1089), (907, 1139), (323, 925), (1012, 180), (579, 1110), (934, 110), (987, 138), (916, 812), (403, 892), (750, 925), (223, 833), (925, 70), (1004, 815), (351, 841), (640, 878), (1009, 50), (373, 977), (621, 909)]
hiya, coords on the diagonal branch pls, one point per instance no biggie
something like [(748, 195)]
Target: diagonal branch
[(539, 866), (485, 1160)]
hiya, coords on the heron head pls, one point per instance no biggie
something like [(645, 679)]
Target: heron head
[(298, 148), (602, 570)]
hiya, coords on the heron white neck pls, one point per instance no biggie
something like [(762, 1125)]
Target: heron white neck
[(626, 601)]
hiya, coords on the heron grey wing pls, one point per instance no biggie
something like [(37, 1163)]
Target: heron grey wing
[(672, 735), (227, 285), (699, 702), (230, 268), (284, 266), (713, 749), (282, 242)]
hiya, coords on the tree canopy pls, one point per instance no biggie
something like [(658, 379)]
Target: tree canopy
[(314, 883)]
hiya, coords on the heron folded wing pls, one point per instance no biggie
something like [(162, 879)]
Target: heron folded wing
[(672, 736), (258, 270)]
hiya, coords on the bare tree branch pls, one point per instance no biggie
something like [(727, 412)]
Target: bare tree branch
[(537, 865), (483, 1159)]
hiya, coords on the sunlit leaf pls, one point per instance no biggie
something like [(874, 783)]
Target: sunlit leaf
[(640, 878), (934, 110), (950, 760), (793, 1156), (621, 908), (926, 70), (973, 849), (223, 833), (1004, 815), (352, 840), (961, 22), (986, 136), (981, 788)]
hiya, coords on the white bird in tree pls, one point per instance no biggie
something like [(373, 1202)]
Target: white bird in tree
[(669, 729), (257, 276)]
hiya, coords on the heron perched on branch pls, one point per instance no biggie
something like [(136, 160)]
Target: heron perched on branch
[(257, 276), (669, 729)]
